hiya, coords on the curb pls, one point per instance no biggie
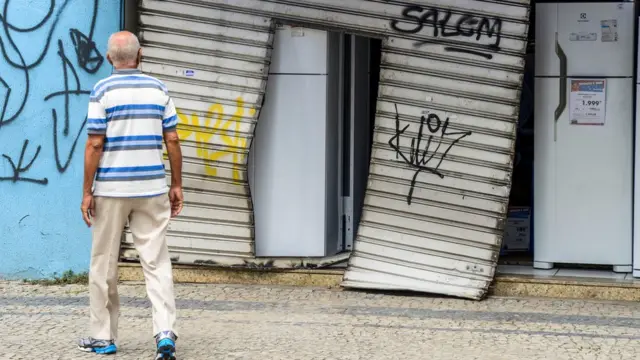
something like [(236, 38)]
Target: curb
[(242, 276), (565, 288), (503, 286)]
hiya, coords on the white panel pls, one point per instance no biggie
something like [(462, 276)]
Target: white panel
[(636, 177), (466, 70), (544, 161), (638, 55), (289, 168), (586, 179), (609, 49), (547, 62), (299, 51), (636, 193)]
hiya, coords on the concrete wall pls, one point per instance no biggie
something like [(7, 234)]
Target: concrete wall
[(48, 65)]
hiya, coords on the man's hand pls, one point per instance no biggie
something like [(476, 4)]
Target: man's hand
[(88, 209), (176, 198)]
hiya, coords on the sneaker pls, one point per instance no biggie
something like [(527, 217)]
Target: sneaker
[(102, 347), (166, 345)]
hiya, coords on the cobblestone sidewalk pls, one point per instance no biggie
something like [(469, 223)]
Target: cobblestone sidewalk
[(257, 322)]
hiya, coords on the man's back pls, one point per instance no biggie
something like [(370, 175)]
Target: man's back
[(133, 111), (130, 114)]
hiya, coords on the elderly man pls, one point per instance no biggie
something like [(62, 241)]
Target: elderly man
[(124, 178)]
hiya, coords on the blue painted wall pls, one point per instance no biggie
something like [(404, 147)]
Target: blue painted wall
[(48, 65)]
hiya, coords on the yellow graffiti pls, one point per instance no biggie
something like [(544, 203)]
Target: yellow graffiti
[(217, 125)]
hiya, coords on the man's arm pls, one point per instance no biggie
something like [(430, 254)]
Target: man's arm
[(92, 155), (97, 130), (172, 142)]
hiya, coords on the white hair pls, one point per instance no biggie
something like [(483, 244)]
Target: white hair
[(123, 52)]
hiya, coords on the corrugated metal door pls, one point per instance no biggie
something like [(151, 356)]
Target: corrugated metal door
[(215, 64), (440, 171)]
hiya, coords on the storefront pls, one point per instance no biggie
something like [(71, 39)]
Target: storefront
[(572, 194), (382, 132)]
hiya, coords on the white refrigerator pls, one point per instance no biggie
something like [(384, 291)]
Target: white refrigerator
[(293, 160), (636, 193), (583, 150)]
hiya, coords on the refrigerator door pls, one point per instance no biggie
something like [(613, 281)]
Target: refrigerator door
[(597, 38), (545, 101), (593, 184), (547, 62), (288, 159), (636, 195), (299, 51), (638, 60)]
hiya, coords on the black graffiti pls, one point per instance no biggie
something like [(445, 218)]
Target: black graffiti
[(22, 64), (422, 159), (467, 25), (4, 103), (20, 168), (67, 69), (87, 57)]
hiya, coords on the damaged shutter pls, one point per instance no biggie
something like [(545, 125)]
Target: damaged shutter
[(441, 163), (215, 64)]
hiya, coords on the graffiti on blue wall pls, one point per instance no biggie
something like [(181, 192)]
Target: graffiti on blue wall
[(51, 55)]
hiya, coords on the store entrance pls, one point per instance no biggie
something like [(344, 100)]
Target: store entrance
[(607, 254)]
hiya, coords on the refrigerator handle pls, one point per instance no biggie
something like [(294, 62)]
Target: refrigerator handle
[(562, 101)]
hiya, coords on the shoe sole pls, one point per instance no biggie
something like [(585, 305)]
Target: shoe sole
[(167, 353), (109, 350)]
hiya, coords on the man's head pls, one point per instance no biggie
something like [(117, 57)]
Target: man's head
[(124, 50)]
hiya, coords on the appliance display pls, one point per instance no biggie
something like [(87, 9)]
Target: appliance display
[(636, 185), (292, 159), (583, 151)]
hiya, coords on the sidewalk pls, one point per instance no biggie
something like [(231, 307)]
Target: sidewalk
[(506, 283), (276, 322)]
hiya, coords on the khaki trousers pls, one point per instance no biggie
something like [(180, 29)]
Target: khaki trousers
[(148, 221)]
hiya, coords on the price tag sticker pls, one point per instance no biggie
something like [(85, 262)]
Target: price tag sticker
[(587, 103)]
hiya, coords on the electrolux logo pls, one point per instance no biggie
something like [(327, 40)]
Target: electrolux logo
[(583, 17)]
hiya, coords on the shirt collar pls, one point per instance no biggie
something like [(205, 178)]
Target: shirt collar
[(126, 71)]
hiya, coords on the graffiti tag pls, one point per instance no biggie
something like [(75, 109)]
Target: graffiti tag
[(88, 58), (20, 168), (219, 126), (467, 25), (422, 159)]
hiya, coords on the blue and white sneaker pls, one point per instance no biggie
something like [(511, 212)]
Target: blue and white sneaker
[(102, 347), (166, 345)]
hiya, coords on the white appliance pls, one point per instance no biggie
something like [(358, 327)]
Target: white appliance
[(293, 170), (636, 185), (583, 136)]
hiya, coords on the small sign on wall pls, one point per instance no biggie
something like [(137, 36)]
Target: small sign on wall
[(587, 102)]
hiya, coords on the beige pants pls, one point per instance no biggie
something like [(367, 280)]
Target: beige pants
[(148, 221)]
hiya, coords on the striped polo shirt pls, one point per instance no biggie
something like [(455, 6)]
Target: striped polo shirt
[(132, 111)]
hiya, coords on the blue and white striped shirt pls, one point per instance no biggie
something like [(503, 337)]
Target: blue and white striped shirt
[(133, 111)]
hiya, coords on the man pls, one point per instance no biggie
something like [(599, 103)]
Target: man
[(124, 178)]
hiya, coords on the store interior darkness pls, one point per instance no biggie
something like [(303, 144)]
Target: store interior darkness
[(522, 179)]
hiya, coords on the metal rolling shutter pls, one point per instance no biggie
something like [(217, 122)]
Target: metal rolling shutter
[(467, 70), (444, 238), (215, 64)]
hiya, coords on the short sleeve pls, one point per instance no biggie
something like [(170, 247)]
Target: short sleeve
[(96, 116), (170, 118)]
